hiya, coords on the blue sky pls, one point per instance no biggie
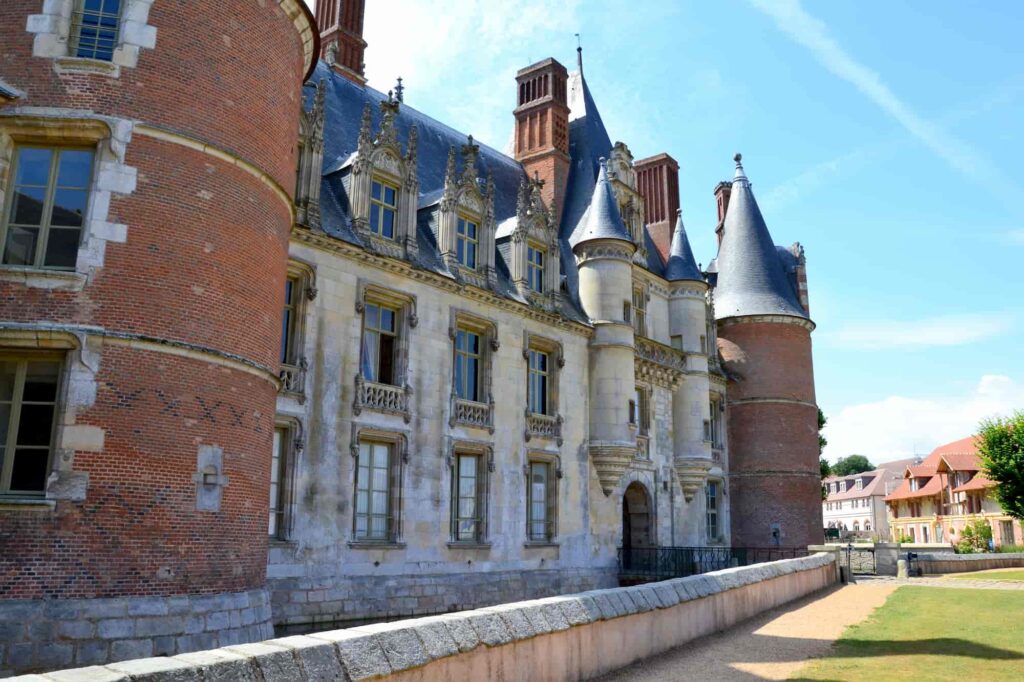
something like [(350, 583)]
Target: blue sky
[(885, 137)]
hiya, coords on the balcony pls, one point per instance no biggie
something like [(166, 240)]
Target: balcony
[(658, 363), (382, 398), (472, 413), (293, 379), (543, 426)]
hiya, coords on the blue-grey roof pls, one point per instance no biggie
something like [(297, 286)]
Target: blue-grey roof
[(8, 92), (344, 102), (681, 264), (601, 219), (751, 278)]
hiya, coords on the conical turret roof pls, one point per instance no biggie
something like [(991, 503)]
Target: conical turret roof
[(601, 219), (751, 279), (681, 264)]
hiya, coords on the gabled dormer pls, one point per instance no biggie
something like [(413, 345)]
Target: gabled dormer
[(383, 186), (466, 225), (622, 178), (534, 248)]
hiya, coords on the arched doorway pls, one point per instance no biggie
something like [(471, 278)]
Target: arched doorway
[(637, 517)]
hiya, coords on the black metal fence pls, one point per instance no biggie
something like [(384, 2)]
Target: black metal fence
[(662, 563)]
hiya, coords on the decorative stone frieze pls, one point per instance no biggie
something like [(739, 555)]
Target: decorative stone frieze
[(657, 363), (607, 249), (692, 473)]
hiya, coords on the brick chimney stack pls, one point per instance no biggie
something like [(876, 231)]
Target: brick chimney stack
[(341, 36), (542, 129), (722, 192), (657, 180)]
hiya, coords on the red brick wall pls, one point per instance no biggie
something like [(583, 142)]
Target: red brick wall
[(773, 434), (203, 265)]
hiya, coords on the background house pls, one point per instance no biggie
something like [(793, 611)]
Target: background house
[(855, 504)]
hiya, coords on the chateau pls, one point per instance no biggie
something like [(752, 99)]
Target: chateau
[(279, 349)]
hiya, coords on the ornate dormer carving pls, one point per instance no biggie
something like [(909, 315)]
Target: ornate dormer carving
[(535, 238), (384, 188), (465, 224), (311, 161), (622, 177)]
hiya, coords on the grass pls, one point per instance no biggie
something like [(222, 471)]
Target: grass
[(928, 633), (998, 574)]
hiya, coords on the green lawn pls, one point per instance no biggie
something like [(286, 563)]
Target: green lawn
[(931, 633), (1014, 576)]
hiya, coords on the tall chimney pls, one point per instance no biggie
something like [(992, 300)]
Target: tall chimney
[(657, 180), (341, 36), (542, 129), (722, 192)]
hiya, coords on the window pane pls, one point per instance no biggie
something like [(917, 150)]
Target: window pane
[(389, 224), (386, 366), (27, 208), (35, 425), (34, 166), (471, 379), (389, 196), (387, 319), (75, 168), (69, 207), (471, 256), (369, 353), (62, 248), (41, 381), (380, 455), (374, 218), (372, 316), (29, 470), (375, 190)]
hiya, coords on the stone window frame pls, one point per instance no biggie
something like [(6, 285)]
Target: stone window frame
[(554, 464), (109, 137), (547, 425), (393, 398), (638, 314), (717, 512), (641, 426), (485, 452), (52, 30), (535, 228), (380, 157), (466, 240), (295, 366), (480, 413), (77, 390), (293, 446), (398, 444), (463, 198)]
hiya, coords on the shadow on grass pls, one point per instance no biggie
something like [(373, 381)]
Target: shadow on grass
[(936, 646)]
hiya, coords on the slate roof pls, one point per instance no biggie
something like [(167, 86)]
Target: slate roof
[(601, 219), (8, 93), (751, 277), (681, 264)]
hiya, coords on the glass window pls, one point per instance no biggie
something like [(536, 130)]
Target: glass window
[(466, 242), (535, 268), (380, 343), (540, 503), (711, 506), (95, 25), (373, 492), (28, 406), (383, 208), (467, 365), (638, 410), (716, 424), (46, 212), (467, 499), (639, 312), (677, 341), (538, 382), (291, 288), (279, 471)]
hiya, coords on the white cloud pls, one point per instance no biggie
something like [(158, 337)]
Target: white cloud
[(900, 426), (813, 34), (942, 330)]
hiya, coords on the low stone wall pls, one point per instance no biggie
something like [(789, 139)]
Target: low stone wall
[(44, 634), (335, 598), (569, 637), (933, 564)]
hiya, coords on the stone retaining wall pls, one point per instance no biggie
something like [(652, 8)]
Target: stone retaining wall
[(569, 637), (932, 564), (42, 634)]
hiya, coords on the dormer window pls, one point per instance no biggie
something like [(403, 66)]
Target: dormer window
[(467, 241), (94, 30), (535, 267), (383, 208)]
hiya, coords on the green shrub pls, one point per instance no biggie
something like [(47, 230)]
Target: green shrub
[(1010, 548), (974, 538)]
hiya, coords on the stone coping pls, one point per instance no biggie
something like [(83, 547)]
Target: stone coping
[(382, 649), (987, 556)]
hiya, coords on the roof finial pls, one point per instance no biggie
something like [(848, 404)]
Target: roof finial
[(400, 90), (579, 53), (740, 174)]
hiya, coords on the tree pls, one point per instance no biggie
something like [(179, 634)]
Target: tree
[(826, 468), (854, 464), (822, 441), (975, 537), (1001, 447)]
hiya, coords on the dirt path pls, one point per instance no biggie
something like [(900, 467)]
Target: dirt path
[(771, 646)]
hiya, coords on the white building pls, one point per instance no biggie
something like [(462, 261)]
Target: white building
[(856, 503)]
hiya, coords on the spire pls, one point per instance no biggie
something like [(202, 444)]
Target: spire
[(751, 278), (602, 219), (579, 54), (681, 264)]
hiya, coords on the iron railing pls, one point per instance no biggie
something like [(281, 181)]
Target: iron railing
[(662, 563)]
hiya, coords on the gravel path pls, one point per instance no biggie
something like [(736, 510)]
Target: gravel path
[(945, 581), (771, 646)]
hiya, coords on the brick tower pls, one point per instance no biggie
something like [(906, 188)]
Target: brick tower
[(764, 337), (147, 163), (542, 129), (341, 36), (657, 179)]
